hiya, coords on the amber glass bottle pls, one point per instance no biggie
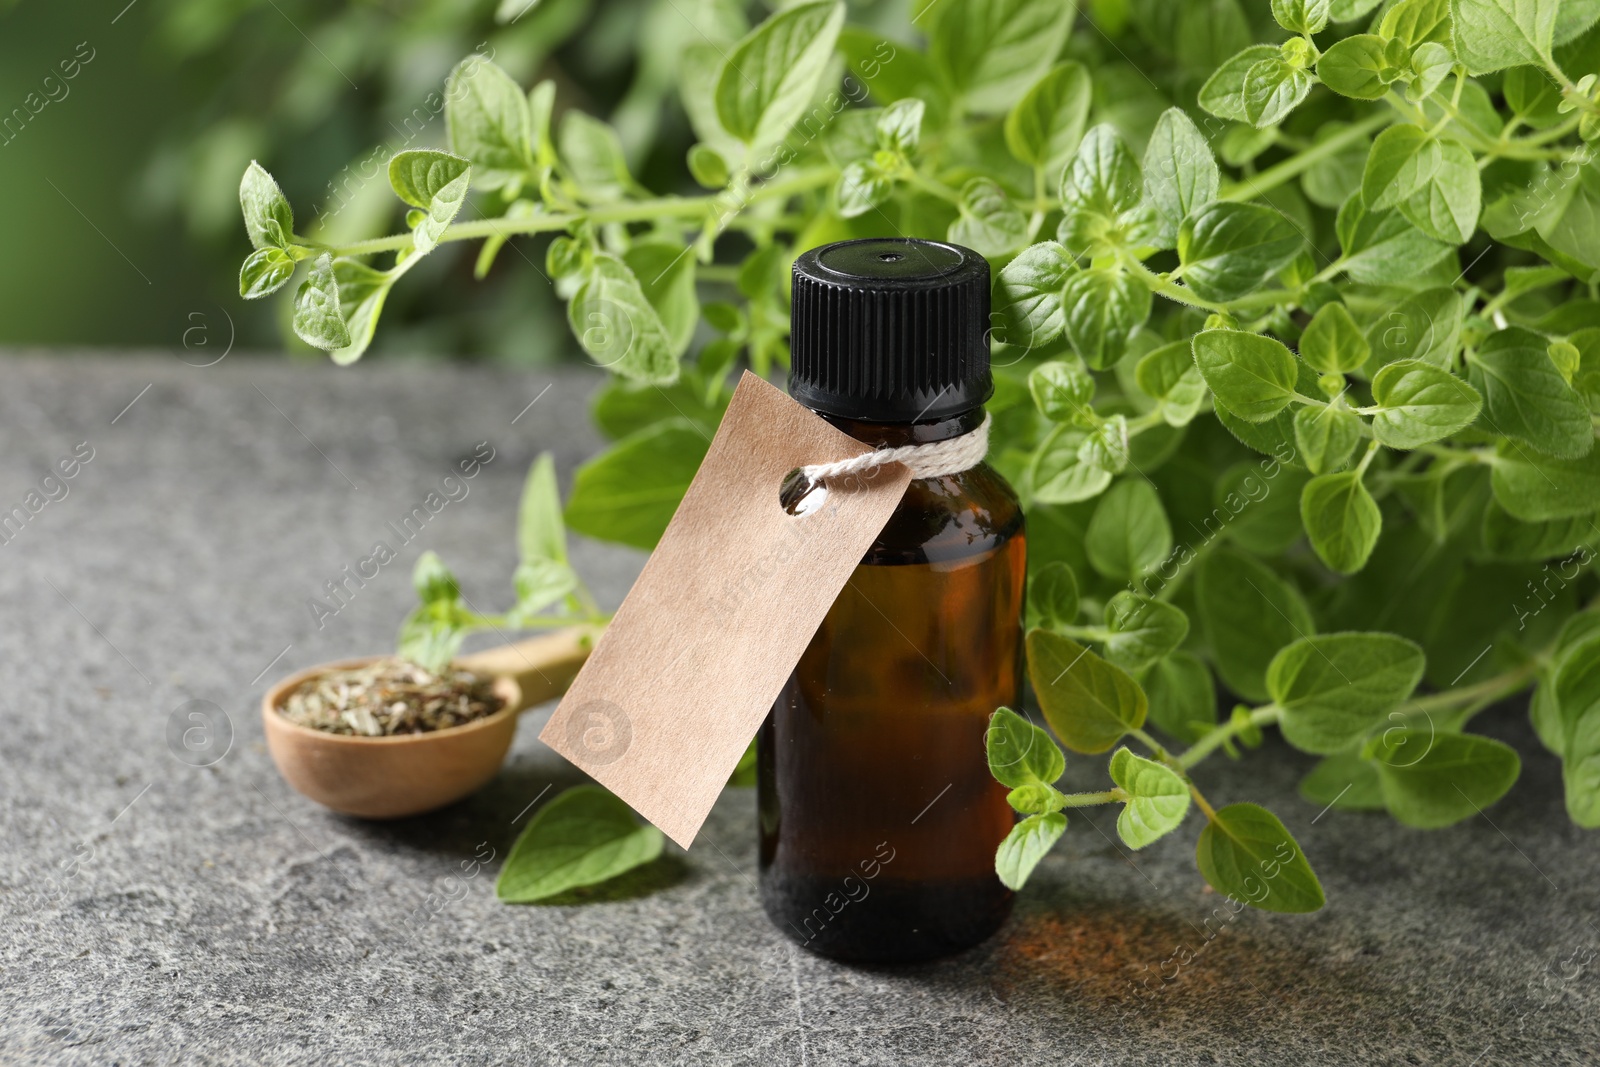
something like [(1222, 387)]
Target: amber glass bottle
[(879, 819)]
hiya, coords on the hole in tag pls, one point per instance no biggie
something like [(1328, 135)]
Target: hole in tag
[(799, 495)]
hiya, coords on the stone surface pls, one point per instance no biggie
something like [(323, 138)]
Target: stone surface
[(155, 912)]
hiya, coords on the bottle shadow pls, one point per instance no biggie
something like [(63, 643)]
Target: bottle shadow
[(1129, 969)]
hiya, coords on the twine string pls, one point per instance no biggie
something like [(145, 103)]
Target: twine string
[(934, 459)]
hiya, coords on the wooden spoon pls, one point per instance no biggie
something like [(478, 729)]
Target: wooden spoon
[(392, 777)]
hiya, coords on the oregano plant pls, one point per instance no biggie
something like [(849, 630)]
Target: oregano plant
[(1296, 345)]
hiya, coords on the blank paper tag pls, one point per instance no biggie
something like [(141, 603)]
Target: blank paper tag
[(701, 647)]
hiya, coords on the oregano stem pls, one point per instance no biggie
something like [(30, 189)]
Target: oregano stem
[(1555, 133), (629, 211), (1295, 165), (933, 186), (1086, 800), (1498, 686), (1214, 738), (1366, 461), (1184, 295), (1144, 738), (1330, 270), (1041, 203)]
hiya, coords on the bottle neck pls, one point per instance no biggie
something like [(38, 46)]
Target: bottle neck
[(896, 434)]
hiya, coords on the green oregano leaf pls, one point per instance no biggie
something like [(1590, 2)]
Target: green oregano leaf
[(1431, 63), (1538, 488), (1335, 178), (1525, 396), (1107, 444), (1332, 343), (593, 154), (1053, 596), (265, 271), (1509, 538), (1402, 160), (1129, 533), (432, 580), (666, 274), (1158, 798), (853, 136), (1341, 519), (1575, 689), (1228, 249), (1248, 613), (1438, 778), (1356, 67), (1301, 16), (628, 493), (1140, 630), (1384, 247), (434, 181), (1447, 206), (1100, 189), (1491, 35), (1180, 173), (1345, 781), (540, 532), (1272, 88), (489, 120), (1350, 10), (418, 175), (1058, 474), (1333, 688), (539, 584), (1044, 129), (1027, 295), (1020, 753), (1568, 219), (1036, 799), (1326, 436), (1425, 326), (1532, 96), (1182, 696), (707, 166), (1027, 843), (1223, 94), (1062, 391), (863, 186), (1170, 376), (769, 78), (432, 634), (268, 219), (317, 321), (899, 127), (990, 51), (362, 292), (1089, 703), (1252, 375), (1417, 22), (989, 222), (617, 326), (1103, 306), (1418, 404), (583, 837), (1245, 852)]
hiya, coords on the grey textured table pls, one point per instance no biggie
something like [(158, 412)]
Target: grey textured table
[(156, 912)]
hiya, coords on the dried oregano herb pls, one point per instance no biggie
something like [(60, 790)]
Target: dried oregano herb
[(389, 697)]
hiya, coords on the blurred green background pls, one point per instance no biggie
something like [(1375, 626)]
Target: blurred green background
[(120, 182)]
